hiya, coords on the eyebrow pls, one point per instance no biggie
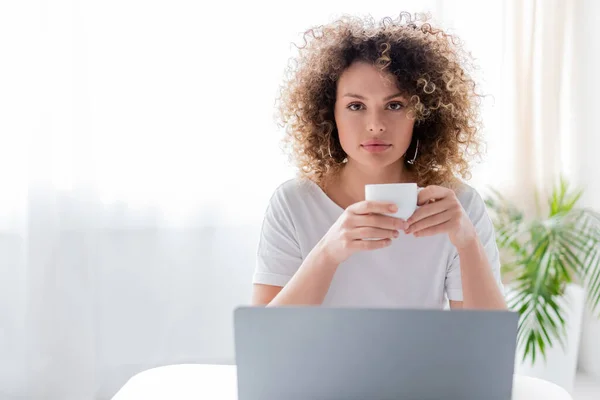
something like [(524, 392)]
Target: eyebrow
[(358, 96)]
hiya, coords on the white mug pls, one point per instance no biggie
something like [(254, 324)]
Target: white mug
[(404, 195)]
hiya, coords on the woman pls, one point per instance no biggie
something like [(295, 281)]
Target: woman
[(373, 103)]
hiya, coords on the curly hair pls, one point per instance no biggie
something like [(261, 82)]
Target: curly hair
[(430, 67)]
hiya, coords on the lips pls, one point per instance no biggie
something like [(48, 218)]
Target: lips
[(374, 142), (376, 148)]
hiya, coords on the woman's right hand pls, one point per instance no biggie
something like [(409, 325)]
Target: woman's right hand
[(360, 221)]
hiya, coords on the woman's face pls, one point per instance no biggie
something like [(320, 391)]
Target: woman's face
[(371, 117)]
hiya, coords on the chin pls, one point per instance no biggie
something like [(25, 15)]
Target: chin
[(378, 162)]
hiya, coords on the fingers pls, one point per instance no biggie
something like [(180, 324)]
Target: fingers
[(371, 244), (378, 221), (431, 221), (372, 207), (428, 210), (372, 233), (432, 193), (371, 214), (435, 229)]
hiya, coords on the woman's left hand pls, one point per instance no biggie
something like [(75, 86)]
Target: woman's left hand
[(441, 212)]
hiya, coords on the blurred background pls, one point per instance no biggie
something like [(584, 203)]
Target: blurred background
[(138, 151)]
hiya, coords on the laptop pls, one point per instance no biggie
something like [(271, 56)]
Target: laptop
[(320, 353)]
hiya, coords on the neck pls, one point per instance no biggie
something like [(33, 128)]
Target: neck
[(353, 178)]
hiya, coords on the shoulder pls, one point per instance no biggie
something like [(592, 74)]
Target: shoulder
[(469, 198), (465, 192), (295, 189), (290, 194), (473, 203), (289, 208)]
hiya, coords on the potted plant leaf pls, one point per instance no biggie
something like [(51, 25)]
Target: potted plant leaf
[(550, 262)]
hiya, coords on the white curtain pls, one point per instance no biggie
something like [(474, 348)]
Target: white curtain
[(137, 155), (539, 94)]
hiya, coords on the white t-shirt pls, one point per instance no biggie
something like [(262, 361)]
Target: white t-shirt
[(410, 273)]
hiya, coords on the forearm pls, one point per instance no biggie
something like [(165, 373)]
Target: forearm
[(480, 288), (310, 283)]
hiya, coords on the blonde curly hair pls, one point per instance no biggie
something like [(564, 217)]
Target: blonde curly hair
[(430, 67)]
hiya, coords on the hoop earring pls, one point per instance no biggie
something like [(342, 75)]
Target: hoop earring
[(412, 160), (331, 156), (345, 160)]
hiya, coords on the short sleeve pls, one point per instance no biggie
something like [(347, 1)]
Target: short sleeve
[(278, 255), (485, 229)]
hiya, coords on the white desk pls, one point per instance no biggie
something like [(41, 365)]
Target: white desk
[(219, 382)]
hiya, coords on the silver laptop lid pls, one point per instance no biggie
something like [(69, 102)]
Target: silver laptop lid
[(348, 353)]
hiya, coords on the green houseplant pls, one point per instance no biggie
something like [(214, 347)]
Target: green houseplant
[(543, 254)]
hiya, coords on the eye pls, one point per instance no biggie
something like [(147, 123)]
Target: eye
[(352, 106), (396, 106)]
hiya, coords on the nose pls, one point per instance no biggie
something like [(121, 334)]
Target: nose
[(375, 124)]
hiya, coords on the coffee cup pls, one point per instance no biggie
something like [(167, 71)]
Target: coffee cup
[(404, 195)]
